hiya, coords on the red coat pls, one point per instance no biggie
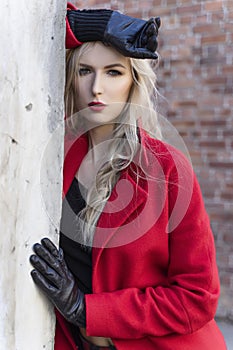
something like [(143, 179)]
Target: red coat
[(157, 289)]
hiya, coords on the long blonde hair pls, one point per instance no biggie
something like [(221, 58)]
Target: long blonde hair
[(124, 143)]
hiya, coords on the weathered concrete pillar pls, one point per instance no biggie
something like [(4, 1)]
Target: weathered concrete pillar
[(31, 108)]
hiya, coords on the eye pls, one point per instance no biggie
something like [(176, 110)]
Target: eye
[(84, 71), (114, 72)]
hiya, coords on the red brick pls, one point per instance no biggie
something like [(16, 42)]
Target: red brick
[(183, 83), (215, 207), (218, 17), (222, 260), (229, 5), (162, 12), (171, 114), (228, 133), (180, 62), (227, 196), (100, 2), (84, 4), (196, 133), (130, 6), (224, 165), (207, 28), (207, 192), (184, 52), (230, 260), (228, 237), (187, 112), (185, 103), (213, 39), (184, 2), (171, 41), (212, 144), (212, 60), (215, 216), (180, 124), (166, 53), (214, 134), (143, 4), (186, 20), (227, 89), (216, 80), (213, 6), (214, 100), (202, 18), (225, 112), (156, 3), (225, 279), (176, 31), (171, 2), (230, 15), (193, 9)]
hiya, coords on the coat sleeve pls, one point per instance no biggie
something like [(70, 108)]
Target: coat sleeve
[(189, 299)]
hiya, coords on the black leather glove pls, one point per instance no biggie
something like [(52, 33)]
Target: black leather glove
[(52, 275), (132, 37)]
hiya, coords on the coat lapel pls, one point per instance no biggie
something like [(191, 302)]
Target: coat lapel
[(75, 149), (116, 223)]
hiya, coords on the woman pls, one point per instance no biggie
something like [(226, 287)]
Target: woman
[(136, 268)]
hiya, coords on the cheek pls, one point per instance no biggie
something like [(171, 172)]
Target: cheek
[(81, 93), (123, 91)]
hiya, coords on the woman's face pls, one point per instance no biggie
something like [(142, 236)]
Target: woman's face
[(103, 84)]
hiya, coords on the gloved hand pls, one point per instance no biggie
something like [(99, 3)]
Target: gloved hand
[(132, 37), (52, 275)]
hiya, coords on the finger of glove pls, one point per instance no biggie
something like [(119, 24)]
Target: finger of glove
[(48, 273), (152, 43), (158, 22), (151, 30), (48, 258), (43, 284), (142, 53), (58, 254), (48, 244)]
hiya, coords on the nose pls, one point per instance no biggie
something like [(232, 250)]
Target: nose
[(97, 84)]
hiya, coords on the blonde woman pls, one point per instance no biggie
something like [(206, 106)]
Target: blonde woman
[(136, 264)]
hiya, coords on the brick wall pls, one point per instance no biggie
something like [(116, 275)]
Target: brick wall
[(196, 78)]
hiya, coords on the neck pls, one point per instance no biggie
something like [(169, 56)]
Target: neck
[(100, 134), (98, 142)]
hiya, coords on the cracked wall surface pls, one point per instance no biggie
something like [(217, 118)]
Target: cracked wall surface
[(31, 143)]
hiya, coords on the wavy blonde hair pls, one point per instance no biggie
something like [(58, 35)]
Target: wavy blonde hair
[(124, 144)]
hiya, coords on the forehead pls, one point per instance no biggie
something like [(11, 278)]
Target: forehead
[(100, 55)]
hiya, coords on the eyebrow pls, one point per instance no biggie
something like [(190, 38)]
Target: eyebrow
[(106, 67)]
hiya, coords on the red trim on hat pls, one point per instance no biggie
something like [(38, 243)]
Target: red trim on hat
[(71, 41), (71, 6)]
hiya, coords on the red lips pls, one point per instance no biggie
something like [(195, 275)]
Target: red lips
[(96, 106), (96, 103)]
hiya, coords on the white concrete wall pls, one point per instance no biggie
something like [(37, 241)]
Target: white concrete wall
[(31, 108)]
